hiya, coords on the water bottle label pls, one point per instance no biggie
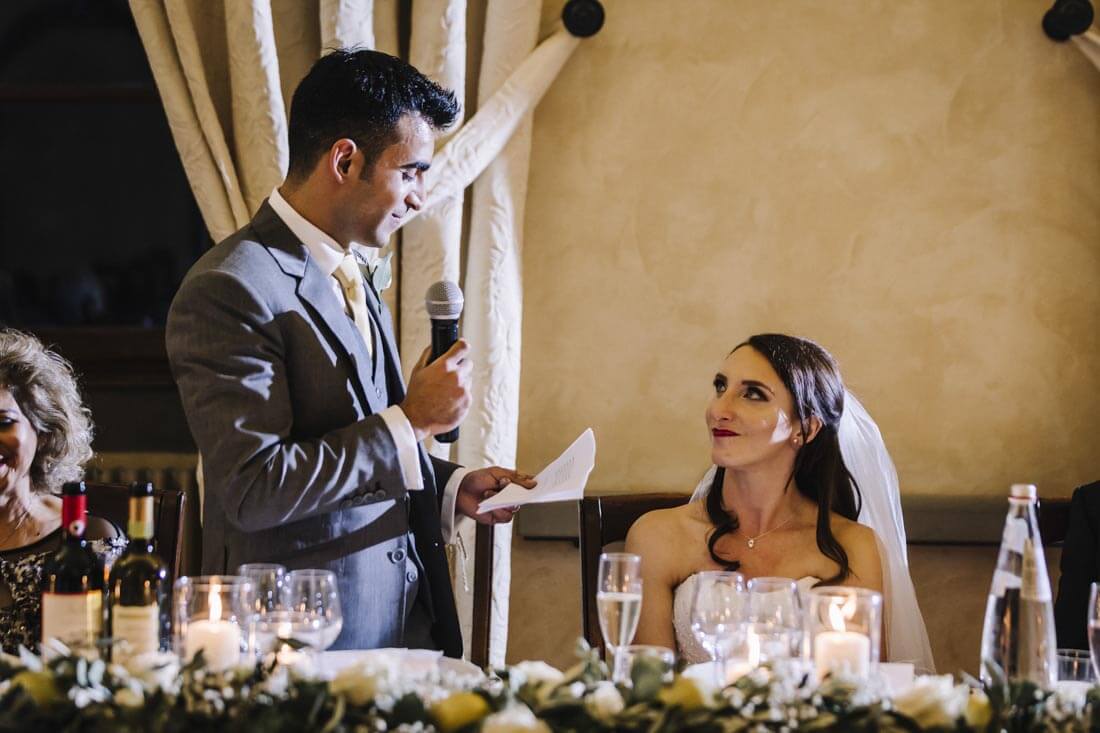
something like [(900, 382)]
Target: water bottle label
[(1036, 586), (1003, 581), (1015, 535)]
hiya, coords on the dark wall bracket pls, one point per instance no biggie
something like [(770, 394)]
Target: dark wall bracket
[(1067, 18), (583, 18)]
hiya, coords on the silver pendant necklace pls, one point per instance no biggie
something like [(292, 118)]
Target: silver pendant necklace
[(751, 541)]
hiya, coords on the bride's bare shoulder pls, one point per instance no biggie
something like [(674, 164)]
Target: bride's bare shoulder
[(664, 521), (862, 547), (661, 525)]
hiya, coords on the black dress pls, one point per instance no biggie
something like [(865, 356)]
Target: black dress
[(21, 583)]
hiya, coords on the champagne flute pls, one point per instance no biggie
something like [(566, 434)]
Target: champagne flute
[(619, 602), (774, 623), (315, 594), (717, 615)]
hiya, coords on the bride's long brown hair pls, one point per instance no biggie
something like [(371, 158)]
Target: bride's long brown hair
[(811, 375)]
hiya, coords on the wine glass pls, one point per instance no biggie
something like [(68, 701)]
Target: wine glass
[(619, 602), (773, 628), (717, 615), (267, 584), (1094, 626), (314, 593)]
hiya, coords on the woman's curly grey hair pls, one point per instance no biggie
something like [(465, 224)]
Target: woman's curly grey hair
[(44, 386)]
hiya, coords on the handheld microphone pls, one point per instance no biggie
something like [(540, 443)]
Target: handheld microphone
[(443, 302)]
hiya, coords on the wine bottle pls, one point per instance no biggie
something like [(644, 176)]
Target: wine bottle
[(138, 586), (72, 579)]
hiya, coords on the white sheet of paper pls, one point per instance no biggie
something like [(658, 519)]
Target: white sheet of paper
[(563, 480)]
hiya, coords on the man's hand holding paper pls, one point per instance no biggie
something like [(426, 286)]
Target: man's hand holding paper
[(563, 480), (480, 486)]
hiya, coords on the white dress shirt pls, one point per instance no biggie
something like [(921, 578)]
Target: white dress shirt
[(327, 253)]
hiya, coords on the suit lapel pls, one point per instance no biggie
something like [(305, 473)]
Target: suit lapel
[(389, 342), (315, 290), (392, 372)]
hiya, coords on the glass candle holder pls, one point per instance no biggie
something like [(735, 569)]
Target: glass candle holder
[(845, 626), (211, 614)]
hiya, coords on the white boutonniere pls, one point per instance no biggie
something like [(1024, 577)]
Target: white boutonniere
[(379, 274)]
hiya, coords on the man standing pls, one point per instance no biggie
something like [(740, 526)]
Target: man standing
[(286, 362)]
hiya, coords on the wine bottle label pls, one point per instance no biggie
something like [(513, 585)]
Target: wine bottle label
[(140, 523), (135, 630), (75, 619)]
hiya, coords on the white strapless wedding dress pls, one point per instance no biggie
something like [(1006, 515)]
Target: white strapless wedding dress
[(687, 646)]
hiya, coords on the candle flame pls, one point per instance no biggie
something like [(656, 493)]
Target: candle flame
[(215, 602)]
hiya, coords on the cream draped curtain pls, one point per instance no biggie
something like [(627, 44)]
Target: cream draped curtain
[(1089, 43), (226, 70)]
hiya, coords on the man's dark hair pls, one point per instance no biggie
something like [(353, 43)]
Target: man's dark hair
[(360, 94)]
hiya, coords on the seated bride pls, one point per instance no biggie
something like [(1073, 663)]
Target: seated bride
[(802, 487)]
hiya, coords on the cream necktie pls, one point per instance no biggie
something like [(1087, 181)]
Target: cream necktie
[(347, 274)]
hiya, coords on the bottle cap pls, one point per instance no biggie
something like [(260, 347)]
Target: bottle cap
[(73, 488), (1023, 491)]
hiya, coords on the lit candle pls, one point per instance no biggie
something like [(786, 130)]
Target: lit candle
[(219, 640), (839, 651)]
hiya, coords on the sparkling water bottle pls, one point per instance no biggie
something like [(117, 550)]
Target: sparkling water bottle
[(1018, 635)]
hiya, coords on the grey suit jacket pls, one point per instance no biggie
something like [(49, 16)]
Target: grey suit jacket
[(299, 468)]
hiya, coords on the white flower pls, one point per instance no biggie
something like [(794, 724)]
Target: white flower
[(933, 701), (515, 719), (605, 701), (155, 670), (535, 673), (82, 696), (276, 683)]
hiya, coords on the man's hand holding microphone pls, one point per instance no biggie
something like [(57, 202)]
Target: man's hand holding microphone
[(438, 399)]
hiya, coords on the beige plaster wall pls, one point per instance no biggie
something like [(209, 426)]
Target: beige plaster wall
[(913, 183)]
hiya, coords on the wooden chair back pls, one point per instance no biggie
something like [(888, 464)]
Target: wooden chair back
[(604, 520), (112, 501), (483, 595)]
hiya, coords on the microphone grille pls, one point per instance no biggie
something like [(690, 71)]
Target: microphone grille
[(444, 300)]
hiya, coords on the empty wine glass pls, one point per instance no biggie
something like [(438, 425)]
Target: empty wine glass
[(314, 593), (718, 615), (773, 629), (267, 584), (619, 602)]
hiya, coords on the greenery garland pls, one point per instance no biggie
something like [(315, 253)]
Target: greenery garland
[(71, 693)]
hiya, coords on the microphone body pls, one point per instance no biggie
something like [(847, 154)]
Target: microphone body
[(444, 336), (444, 305)]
